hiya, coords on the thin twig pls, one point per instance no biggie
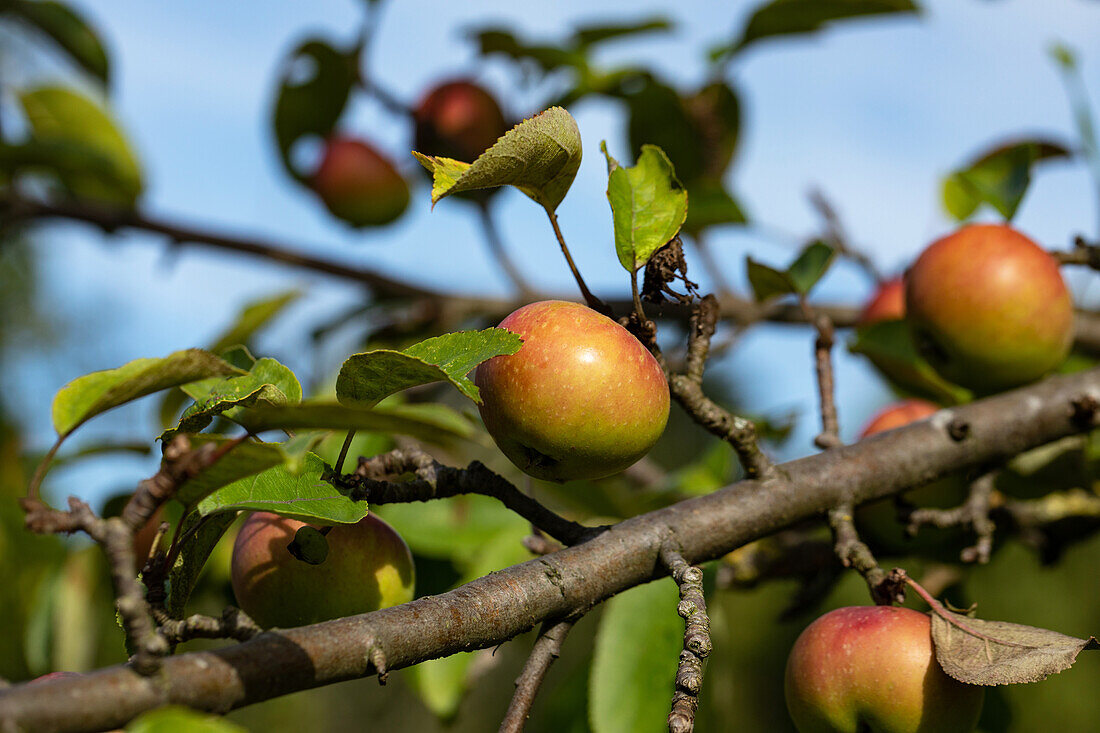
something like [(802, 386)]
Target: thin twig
[(547, 648), (233, 624), (836, 237), (973, 513), (436, 481), (593, 302), (853, 553), (823, 367), (687, 390), (697, 643)]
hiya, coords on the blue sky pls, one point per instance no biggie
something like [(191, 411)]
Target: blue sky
[(874, 113)]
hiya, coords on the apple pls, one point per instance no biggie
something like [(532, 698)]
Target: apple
[(581, 399), (458, 119), (887, 304), (988, 308), (871, 669), (877, 521), (368, 567), (358, 184)]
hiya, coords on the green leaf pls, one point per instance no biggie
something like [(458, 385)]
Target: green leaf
[(711, 205), (202, 535), (313, 105), (66, 119), (460, 529), (502, 42), (434, 423), (442, 683), (889, 345), (268, 383), (999, 178), (791, 17), (634, 664), (176, 718), (67, 29), (242, 461), (648, 205), (306, 496), (540, 156), (589, 35), (812, 263), (767, 282), (95, 393), (367, 378)]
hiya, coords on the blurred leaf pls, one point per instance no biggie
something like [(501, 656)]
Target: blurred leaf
[(657, 116), (812, 263), (767, 282), (95, 393), (634, 665), (980, 652), (711, 205), (69, 31), (242, 461), (69, 121), (434, 423), (66, 615), (306, 496), (442, 683), (889, 345), (790, 17), (253, 317), (501, 41), (592, 34), (648, 205), (202, 535), (540, 156), (268, 384), (176, 718), (367, 378), (999, 178), (458, 529), (313, 91)]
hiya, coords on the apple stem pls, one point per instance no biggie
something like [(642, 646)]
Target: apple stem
[(344, 451), (593, 302)]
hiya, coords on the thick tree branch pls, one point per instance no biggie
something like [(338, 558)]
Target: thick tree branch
[(499, 606), (547, 648)]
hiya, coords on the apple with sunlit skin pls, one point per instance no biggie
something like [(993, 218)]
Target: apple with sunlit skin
[(358, 184), (989, 308), (887, 304), (581, 399), (871, 669), (368, 567), (458, 119)]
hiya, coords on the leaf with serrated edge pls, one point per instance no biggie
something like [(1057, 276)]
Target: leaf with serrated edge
[(648, 205), (87, 396), (981, 652), (367, 378), (267, 383), (306, 496), (540, 156)]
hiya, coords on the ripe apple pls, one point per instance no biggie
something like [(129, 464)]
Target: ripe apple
[(368, 567), (871, 669), (458, 119), (582, 398), (887, 304), (878, 521), (358, 184), (988, 308)]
